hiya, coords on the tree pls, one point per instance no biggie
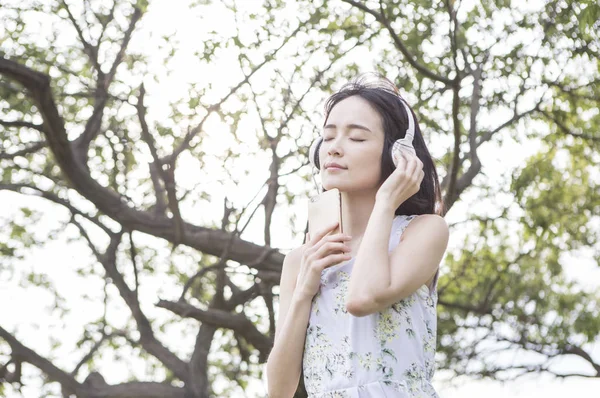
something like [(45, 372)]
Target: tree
[(79, 132)]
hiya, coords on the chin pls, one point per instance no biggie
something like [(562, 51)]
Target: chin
[(329, 183), (327, 187), (346, 186), (341, 186)]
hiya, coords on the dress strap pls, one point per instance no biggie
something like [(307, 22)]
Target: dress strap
[(433, 285), (398, 226)]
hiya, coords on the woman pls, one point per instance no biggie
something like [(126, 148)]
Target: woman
[(363, 323)]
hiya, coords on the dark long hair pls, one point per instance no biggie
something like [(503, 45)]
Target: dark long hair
[(383, 95)]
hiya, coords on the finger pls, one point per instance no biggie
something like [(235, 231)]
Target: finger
[(412, 162), (320, 234), (332, 260), (337, 238), (408, 158), (329, 248), (417, 173), (411, 165), (401, 168), (400, 158), (419, 179)]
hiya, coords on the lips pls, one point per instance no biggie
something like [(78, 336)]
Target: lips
[(334, 165)]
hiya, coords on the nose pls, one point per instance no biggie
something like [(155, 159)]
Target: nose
[(333, 146)]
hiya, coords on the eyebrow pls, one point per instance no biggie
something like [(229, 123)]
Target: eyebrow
[(350, 126)]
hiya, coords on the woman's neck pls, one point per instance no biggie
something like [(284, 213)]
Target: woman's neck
[(356, 211)]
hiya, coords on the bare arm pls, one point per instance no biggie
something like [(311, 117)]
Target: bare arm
[(285, 361), (380, 279), (300, 281)]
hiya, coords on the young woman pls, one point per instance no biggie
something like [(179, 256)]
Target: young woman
[(363, 324)]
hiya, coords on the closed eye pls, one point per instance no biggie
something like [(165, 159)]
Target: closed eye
[(351, 139)]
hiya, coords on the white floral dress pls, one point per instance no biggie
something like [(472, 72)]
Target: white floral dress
[(385, 354)]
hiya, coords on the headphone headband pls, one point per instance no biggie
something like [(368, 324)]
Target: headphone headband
[(410, 132), (405, 143)]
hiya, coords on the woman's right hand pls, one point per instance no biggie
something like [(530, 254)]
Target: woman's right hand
[(320, 252)]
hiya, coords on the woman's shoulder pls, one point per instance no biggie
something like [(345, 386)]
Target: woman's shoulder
[(434, 220), (427, 226), (431, 220)]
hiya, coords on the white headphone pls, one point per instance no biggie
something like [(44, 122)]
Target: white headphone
[(396, 151)]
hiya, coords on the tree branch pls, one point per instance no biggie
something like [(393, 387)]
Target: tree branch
[(90, 354), (575, 350), (147, 339), (25, 151), (133, 255), (456, 187), (22, 123), (562, 127), (551, 352), (237, 322), (168, 176), (486, 136), (110, 203), (106, 20), (161, 204), (86, 236), (135, 17), (399, 43), (92, 127), (66, 380), (452, 174), (192, 133), (54, 198), (88, 48), (136, 389), (465, 180)]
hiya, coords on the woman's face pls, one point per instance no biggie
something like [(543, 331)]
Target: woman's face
[(352, 137)]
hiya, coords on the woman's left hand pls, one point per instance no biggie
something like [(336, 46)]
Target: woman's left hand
[(403, 183)]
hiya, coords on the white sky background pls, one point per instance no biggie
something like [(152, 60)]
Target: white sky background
[(60, 258)]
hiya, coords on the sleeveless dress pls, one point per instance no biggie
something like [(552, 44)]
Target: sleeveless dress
[(385, 354)]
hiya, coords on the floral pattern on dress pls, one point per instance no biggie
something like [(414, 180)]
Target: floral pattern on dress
[(341, 287), (387, 328), (334, 394), (346, 350), (414, 376), (402, 308), (315, 303), (324, 359), (429, 339), (317, 346)]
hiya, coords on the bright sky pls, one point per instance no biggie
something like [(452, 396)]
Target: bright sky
[(60, 259)]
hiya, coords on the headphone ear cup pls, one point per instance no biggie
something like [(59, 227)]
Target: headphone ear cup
[(405, 143), (313, 153), (401, 145)]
